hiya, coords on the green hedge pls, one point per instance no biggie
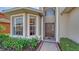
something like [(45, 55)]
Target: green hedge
[(17, 44), (33, 42), (14, 44), (3, 37)]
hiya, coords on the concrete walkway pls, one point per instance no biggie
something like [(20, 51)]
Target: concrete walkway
[(49, 46)]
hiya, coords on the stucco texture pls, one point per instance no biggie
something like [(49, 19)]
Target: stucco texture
[(69, 25)]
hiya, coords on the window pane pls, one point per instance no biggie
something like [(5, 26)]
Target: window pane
[(32, 30), (18, 25), (19, 30), (13, 25), (19, 21), (32, 22), (32, 25), (50, 12)]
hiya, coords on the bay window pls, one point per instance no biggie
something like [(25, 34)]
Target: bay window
[(24, 27)]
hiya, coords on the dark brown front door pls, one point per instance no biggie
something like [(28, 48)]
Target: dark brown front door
[(49, 29)]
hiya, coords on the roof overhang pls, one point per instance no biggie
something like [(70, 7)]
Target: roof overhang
[(67, 10), (25, 9)]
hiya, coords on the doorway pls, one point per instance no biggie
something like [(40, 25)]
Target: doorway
[(49, 30)]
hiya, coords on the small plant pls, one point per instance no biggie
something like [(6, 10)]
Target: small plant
[(3, 37), (11, 44), (33, 42)]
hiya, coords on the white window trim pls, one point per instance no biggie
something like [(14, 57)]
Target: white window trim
[(28, 27), (42, 27), (56, 28), (24, 27), (11, 28), (15, 26)]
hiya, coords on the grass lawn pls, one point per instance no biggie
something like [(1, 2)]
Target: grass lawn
[(68, 45)]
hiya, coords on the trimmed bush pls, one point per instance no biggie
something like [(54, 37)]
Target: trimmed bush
[(3, 37), (33, 43), (10, 43), (19, 43)]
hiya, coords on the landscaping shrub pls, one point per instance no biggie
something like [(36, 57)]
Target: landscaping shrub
[(3, 37), (14, 44), (19, 43), (33, 43)]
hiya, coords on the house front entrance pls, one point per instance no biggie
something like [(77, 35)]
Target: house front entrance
[(49, 30)]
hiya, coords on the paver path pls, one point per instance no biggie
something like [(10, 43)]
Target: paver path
[(49, 46)]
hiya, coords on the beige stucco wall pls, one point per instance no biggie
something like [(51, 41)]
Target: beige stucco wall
[(63, 23), (74, 25), (69, 25), (49, 19), (61, 9)]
